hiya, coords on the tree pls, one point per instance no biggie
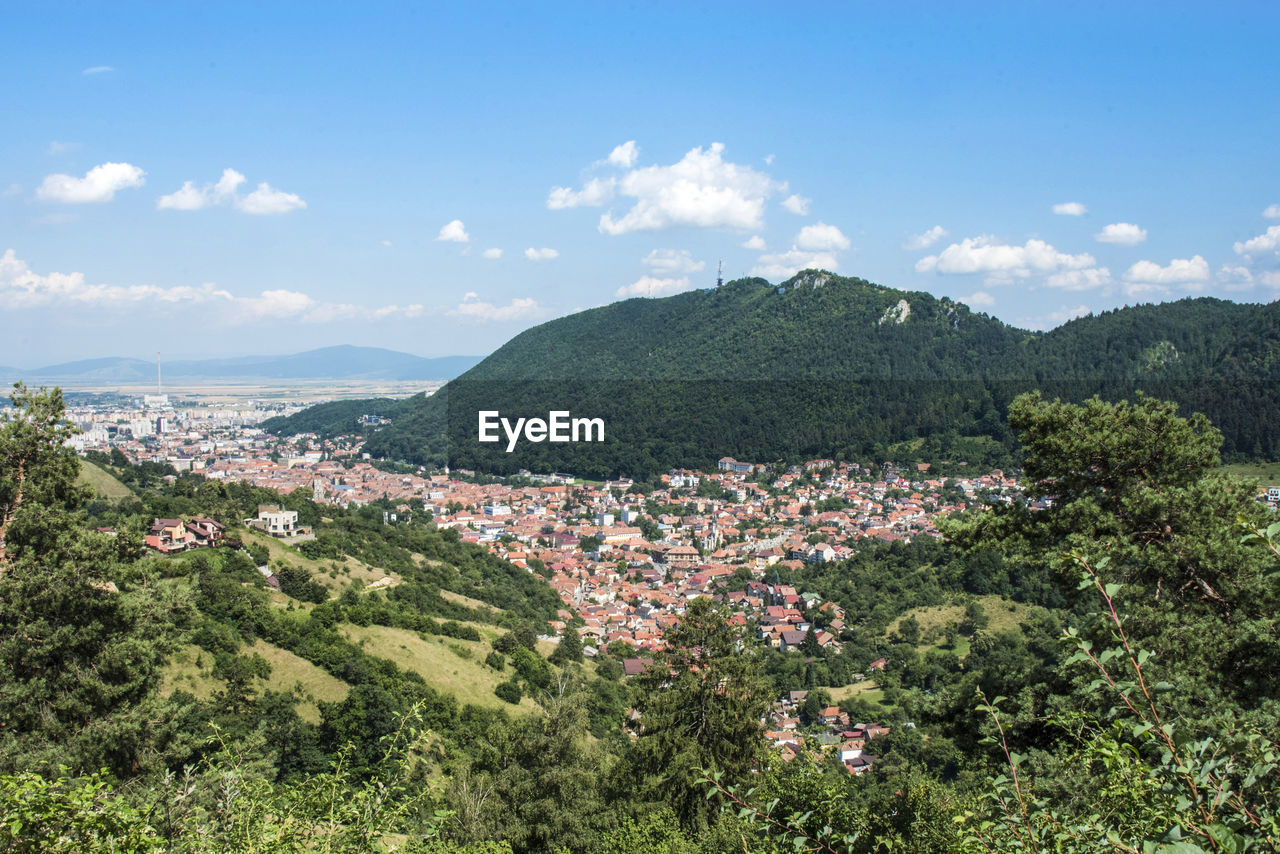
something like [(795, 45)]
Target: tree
[(569, 650), (37, 467), (700, 703), (81, 639)]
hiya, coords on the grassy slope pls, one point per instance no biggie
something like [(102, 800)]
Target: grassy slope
[(349, 569), (1002, 614), (190, 670), (103, 483), (1267, 474), (467, 679)]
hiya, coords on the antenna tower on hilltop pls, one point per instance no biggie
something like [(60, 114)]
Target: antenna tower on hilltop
[(720, 274)]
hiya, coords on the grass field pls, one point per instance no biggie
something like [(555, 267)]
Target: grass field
[(288, 672), (1001, 613), (103, 483), (349, 569), (1267, 474), (865, 690), (467, 679), (191, 670)]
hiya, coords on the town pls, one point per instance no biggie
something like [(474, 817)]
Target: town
[(624, 563)]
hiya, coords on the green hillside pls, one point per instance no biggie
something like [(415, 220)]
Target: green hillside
[(823, 365)]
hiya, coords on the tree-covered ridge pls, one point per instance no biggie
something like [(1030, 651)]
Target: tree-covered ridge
[(826, 365)]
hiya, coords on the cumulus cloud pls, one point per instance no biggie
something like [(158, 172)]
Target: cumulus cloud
[(543, 254), (56, 148), (926, 238), (1002, 261), (1235, 278), (650, 286), (477, 309), (492, 254), (98, 185), (1145, 290), (672, 261), (797, 204), (1267, 242), (702, 190), (22, 288), (1070, 209), (979, 299), (1178, 272), (386, 243), (820, 236), (453, 231), (624, 156), (1123, 233), (1272, 212), (189, 197), (754, 242), (1271, 279), (784, 265), (594, 193), (97, 69), (1080, 280), (266, 201)]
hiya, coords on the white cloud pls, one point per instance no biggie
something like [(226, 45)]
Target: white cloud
[(925, 239), (625, 155), (1070, 209), (650, 286), (821, 236), (797, 204), (543, 254), (672, 261), (476, 309), (21, 288), (56, 148), (594, 193), (1002, 261), (1235, 278), (189, 197), (979, 299), (453, 231), (1272, 212), (768, 159), (265, 201), (784, 265), (1271, 279), (1268, 242), (1123, 233), (98, 185), (97, 69), (1180, 271), (701, 190), (386, 243), (755, 242), (492, 254), (1080, 280)]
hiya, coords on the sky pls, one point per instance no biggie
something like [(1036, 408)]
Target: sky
[(227, 179)]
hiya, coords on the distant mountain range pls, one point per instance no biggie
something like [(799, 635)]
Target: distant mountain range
[(822, 365), (343, 362)]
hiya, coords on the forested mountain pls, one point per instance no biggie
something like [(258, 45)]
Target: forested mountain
[(824, 365), (339, 362)]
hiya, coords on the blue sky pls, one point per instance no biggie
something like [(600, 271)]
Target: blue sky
[(609, 151)]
